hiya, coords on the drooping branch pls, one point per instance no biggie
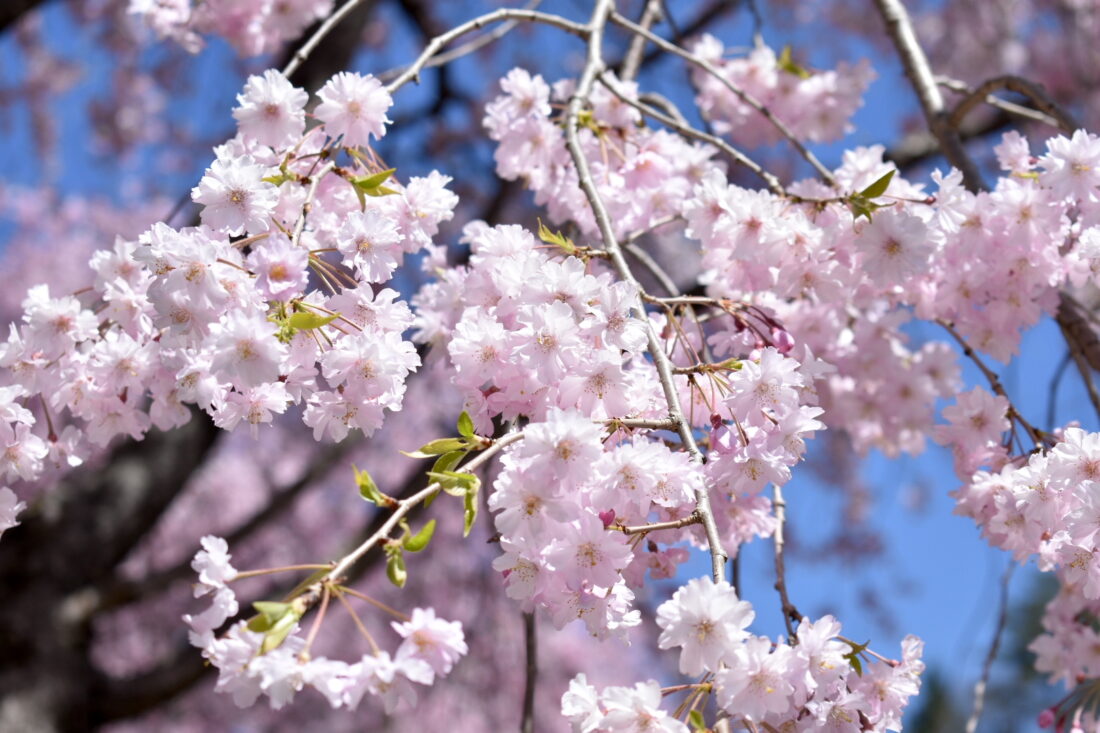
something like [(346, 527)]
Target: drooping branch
[(991, 655), (593, 67)]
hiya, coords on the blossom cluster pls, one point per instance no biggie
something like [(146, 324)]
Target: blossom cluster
[(565, 498), (807, 683), (1048, 507), (254, 27), (643, 175), (250, 665), (526, 331), (814, 105), (237, 327)]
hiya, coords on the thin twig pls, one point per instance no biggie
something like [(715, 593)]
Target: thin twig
[(979, 688), (687, 521), (326, 27), (790, 613), (1035, 93), (1034, 433), (632, 62), (592, 68), (307, 205), (993, 100), (412, 73), (471, 46), (736, 155)]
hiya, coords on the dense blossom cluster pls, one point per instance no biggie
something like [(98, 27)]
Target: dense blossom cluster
[(248, 667), (643, 175), (254, 27), (235, 327), (806, 684), (813, 105)]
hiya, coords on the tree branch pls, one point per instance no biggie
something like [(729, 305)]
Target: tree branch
[(1034, 92), (593, 67), (900, 29)]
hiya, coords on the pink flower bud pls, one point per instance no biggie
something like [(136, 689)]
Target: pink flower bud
[(607, 517), (1046, 718), (783, 340)]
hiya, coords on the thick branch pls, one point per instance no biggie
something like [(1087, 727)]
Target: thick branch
[(900, 29), (12, 10)]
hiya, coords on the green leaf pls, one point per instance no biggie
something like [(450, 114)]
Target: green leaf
[(371, 186), (277, 634), (420, 540), (455, 484), (469, 510), (695, 717), (860, 206), (373, 181), (879, 187), (437, 447), (465, 425), (556, 238), (281, 178), (447, 461), (395, 567), (787, 63), (270, 612), (306, 320), (857, 665), (367, 488)]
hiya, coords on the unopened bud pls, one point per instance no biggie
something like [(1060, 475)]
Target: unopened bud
[(782, 339)]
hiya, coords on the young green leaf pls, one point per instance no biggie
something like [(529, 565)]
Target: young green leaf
[(454, 483), (281, 178), (469, 511), (367, 488), (306, 320), (465, 425), (695, 717), (269, 614), (420, 540), (373, 181), (447, 461), (879, 187), (277, 634), (437, 447), (787, 63), (556, 238), (395, 567)]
